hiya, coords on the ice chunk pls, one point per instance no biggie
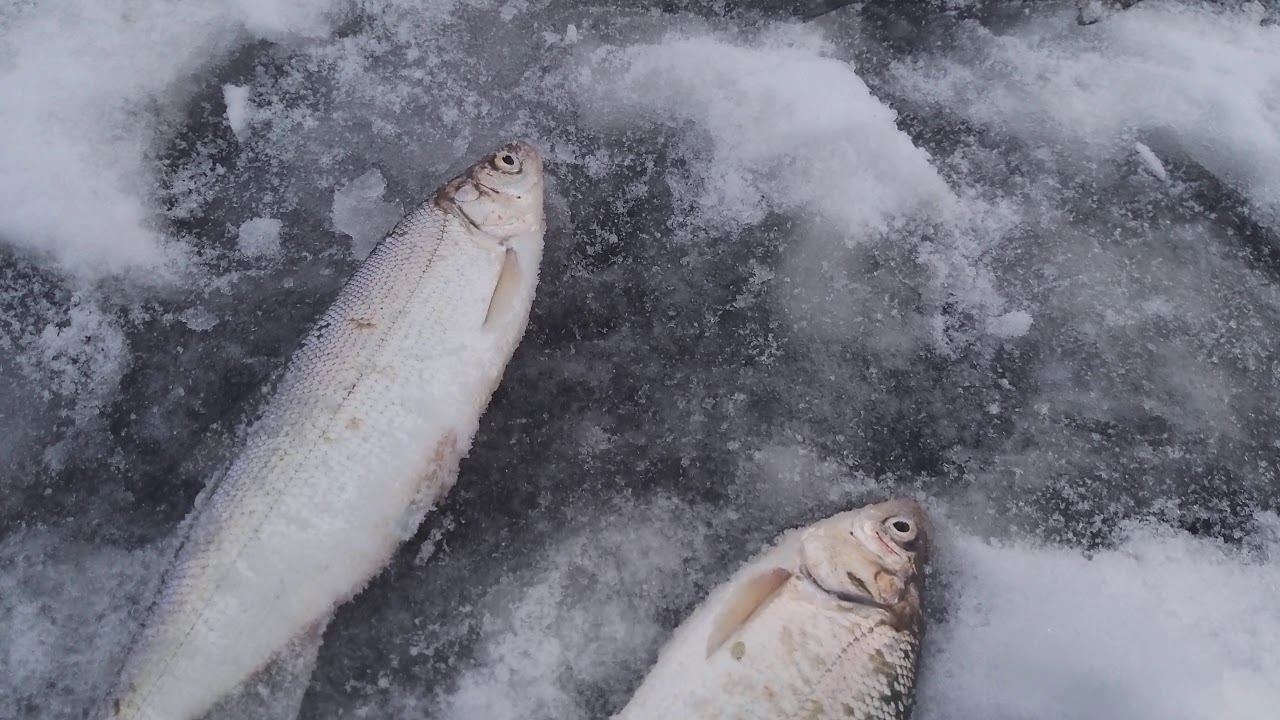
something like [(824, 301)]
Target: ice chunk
[(1150, 160), (358, 211), (260, 237), (198, 319), (239, 110)]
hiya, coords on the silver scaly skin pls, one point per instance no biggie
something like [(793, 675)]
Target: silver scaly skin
[(826, 624), (361, 438)]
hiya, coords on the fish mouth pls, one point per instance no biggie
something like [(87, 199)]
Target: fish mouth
[(865, 599), (888, 545)]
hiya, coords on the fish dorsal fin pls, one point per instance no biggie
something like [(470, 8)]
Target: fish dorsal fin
[(744, 600), (504, 292)]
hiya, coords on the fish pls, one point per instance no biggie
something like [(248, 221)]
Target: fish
[(826, 623), (362, 435)]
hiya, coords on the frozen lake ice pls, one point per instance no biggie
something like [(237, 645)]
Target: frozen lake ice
[(966, 250)]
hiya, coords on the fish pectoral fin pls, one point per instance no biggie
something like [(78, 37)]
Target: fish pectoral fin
[(504, 291), (743, 602)]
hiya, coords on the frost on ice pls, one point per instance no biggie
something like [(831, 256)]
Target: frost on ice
[(260, 237), (1010, 325), (359, 212)]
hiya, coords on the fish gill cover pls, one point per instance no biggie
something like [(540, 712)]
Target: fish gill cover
[(968, 250)]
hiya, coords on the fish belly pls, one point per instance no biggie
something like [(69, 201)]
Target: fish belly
[(793, 659), (363, 434)]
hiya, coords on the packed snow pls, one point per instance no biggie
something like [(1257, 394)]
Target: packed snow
[(1022, 269)]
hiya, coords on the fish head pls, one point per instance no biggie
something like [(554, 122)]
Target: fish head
[(501, 195), (871, 556)]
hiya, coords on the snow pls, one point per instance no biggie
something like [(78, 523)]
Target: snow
[(1024, 269), (260, 237), (78, 165), (1191, 81), (1161, 626), (825, 143)]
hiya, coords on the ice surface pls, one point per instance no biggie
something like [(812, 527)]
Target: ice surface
[(790, 268), (64, 607), (358, 211)]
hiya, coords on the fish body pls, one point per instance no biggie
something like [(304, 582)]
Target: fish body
[(825, 624), (362, 436)]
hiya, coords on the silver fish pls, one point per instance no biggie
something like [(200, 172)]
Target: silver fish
[(825, 624), (361, 438)]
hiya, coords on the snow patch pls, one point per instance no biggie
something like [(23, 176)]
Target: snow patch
[(1165, 625), (789, 128), (1156, 70), (260, 237), (1010, 325), (86, 87)]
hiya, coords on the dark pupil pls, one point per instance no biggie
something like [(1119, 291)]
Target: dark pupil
[(902, 526), (508, 160)]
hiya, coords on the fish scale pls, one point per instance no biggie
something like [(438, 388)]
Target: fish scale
[(362, 435)]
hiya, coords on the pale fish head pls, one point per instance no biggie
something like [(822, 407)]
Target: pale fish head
[(871, 556), (501, 195)]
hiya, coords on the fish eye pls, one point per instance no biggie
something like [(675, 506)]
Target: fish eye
[(902, 530), (507, 162)]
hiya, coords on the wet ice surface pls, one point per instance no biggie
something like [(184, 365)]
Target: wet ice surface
[(789, 268)]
